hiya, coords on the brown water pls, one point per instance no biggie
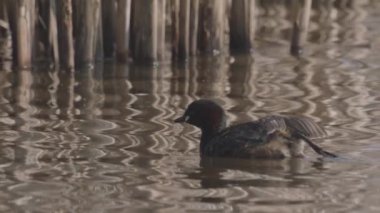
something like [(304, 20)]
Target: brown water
[(103, 140)]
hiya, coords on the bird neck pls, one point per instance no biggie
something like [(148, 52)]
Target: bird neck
[(209, 132)]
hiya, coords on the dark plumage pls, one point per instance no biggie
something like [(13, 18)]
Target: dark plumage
[(268, 137)]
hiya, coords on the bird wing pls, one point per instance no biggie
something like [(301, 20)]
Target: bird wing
[(249, 131), (292, 125), (238, 140), (296, 127), (306, 126)]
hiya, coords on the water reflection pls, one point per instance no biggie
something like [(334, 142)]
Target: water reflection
[(220, 173)]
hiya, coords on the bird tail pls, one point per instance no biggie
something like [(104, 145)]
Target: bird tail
[(316, 148)]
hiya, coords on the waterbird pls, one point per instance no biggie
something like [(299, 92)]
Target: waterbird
[(273, 136)]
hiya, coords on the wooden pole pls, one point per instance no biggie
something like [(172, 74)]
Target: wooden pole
[(143, 32), (25, 22), (108, 22), (301, 19), (160, 16), (99, 46), (242, 25), (65, 33), (305, 19), (53, 31), (46, 32), (193, 31), (5, 34), (86, 16), (123, 19), (212, 26), (181, 17), (175, 27), (148, 30), (184, 27)]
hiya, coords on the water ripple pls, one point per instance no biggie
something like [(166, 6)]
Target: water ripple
[(103, 139)]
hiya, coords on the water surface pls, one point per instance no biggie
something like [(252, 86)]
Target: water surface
[(103, 140)]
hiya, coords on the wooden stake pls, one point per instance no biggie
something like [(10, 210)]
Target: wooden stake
[(45, 38), (5, 34), (53, 31), (160, 16), (25, 21), (213, 27), (86, 16), (184, 27), (109, 27), (193, 31), (148, 30), (181, 19), (123, 19), (242, 25), (175, 27), (65, 33), (301, 19)]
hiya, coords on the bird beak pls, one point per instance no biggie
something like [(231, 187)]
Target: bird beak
[(182, 119)]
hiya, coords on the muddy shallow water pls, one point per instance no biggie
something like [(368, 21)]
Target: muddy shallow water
[(103, 140)]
